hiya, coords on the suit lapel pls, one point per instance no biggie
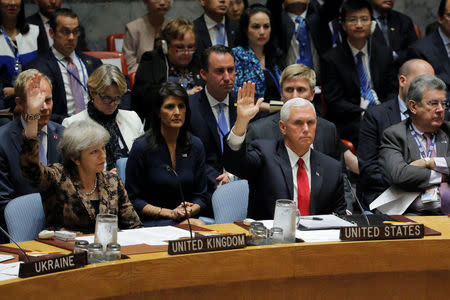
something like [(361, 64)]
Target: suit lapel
[(282, 159), (208, 115), (230, 32), (54, 67), (349, 62), (16, 134), (441, 144), (204, 34), (316, 181), (52, 140), (393, 113), (232, 109)]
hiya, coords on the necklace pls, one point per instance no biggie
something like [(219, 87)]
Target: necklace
[(93, 190)]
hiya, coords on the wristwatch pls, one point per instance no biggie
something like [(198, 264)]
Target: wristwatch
[(427, 162), (32, 117)]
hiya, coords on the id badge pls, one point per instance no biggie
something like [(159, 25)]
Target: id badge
[(430, 195)]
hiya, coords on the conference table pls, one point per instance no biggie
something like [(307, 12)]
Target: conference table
[(387, 269)]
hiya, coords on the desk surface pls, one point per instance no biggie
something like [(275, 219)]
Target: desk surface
[(399, 268)]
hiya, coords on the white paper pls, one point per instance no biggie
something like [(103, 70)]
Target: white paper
[(328, 221), (4, 257), (394, 201), (9, 271), (328, 235)]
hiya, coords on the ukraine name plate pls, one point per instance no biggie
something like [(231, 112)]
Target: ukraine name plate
[(209, 243), (52, 265), (389, 232)]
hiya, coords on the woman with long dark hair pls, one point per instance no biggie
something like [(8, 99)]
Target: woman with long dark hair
[(166, 166)]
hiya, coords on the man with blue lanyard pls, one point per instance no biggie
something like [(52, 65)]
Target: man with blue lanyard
[(68, 69), (415, 153)]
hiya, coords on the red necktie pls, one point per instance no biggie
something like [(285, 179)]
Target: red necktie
[(303, 189)]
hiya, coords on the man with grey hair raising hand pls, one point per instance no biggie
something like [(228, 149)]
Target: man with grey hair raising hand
[(287, 168)]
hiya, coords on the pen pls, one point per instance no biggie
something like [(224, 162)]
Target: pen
[(312, 218), (398, 223)]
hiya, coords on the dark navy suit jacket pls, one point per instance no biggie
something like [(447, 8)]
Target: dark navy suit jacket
[(204, 126), (266, 166), (47, 64), (12, 184)]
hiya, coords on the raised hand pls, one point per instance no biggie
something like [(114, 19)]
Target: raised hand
[(35, 94), (246, 107)]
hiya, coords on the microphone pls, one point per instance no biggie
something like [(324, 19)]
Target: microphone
[(10, 238), (170, 169), (357, 200)]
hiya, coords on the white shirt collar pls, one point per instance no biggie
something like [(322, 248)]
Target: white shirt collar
[(445, 38), (402, 105), (43, 18), (210, 23), (24, 124), (213, 102), (61, 57), (293, 158), (294, 16), (356, 51)]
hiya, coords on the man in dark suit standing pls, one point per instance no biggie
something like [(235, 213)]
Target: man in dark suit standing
[(286, 168), (435, 48), (12, 184), (394, 29), (375, 121), (213, 110), (67, 68), (357, 74), (415, 154), (214, 27), (42, 19)]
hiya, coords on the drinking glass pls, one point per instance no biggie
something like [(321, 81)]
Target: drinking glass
[(106, 229), (284, 217)]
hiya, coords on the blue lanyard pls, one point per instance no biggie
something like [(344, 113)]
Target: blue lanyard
[(274, 80), (15, 51), (419, 144), (83, 84)]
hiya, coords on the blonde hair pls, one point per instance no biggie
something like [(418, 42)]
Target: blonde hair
[(176, 29), (105, 76), (296, 71), (21, 82)]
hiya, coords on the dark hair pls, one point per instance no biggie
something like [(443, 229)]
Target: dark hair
[(20, 23), (216, 49), (154, 133), (270, 49), (64, 12), (354, 5), (441, 9)]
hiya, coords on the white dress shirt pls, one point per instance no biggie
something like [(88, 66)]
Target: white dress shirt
[(82, 76), (215, 108), (403, 108), (212, 30), (445, 40), (46, 23)]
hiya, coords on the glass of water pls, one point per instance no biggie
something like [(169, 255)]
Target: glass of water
[(105, 229), (284, 218)]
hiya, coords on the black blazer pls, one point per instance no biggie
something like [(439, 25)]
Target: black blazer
[(47, 64), (375, 121), (401, 33), (341, 87), (432, 49), (204, 126), (12, 183), (265, 164), (326, 140), (202, 38), (43, 44)]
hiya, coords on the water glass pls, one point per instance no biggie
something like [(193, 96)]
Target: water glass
[(258, 235), (112, 252), (81, 246), (106, 229), (276, 235), (284, 218)]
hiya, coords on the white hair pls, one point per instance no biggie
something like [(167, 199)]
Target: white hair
[(296, 102)]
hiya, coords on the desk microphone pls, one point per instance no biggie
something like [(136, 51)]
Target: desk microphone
[(170, 169), (357, 200), (10, 238)]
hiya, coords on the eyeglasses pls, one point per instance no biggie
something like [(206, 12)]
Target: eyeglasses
[(355, 20), (435, 104), (66, 32), (109, 99), (181, 49)]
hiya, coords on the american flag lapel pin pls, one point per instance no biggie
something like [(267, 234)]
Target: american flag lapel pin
[(184, 155), (317, 173), (55, 137)]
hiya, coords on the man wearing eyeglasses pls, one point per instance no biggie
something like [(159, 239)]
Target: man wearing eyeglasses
[(415, 154), (67, 68), (356, 74)]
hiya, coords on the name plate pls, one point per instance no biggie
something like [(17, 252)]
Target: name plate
[(52, 265), (209, 243), (390, 232)]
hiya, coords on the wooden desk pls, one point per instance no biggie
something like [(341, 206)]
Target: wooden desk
[(415, 269)]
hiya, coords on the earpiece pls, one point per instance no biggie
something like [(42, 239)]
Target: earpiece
[(164, 47)]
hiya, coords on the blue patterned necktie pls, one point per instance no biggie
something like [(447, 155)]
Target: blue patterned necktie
[(366, 91), (304, 46), (220, 40), (42, 152), (222, 123)]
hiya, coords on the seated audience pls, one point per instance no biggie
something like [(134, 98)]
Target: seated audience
[(142, 33), (435, 47), (73, 192), (67, 68), (106, 85), (173, 60), (256, 57), (166, 168), (286, 168), (394, 29), (18, 46), (12, 183), (375, 121), (414, 154), (236, 8), (356, 74), (42, 19), (214, 27)]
